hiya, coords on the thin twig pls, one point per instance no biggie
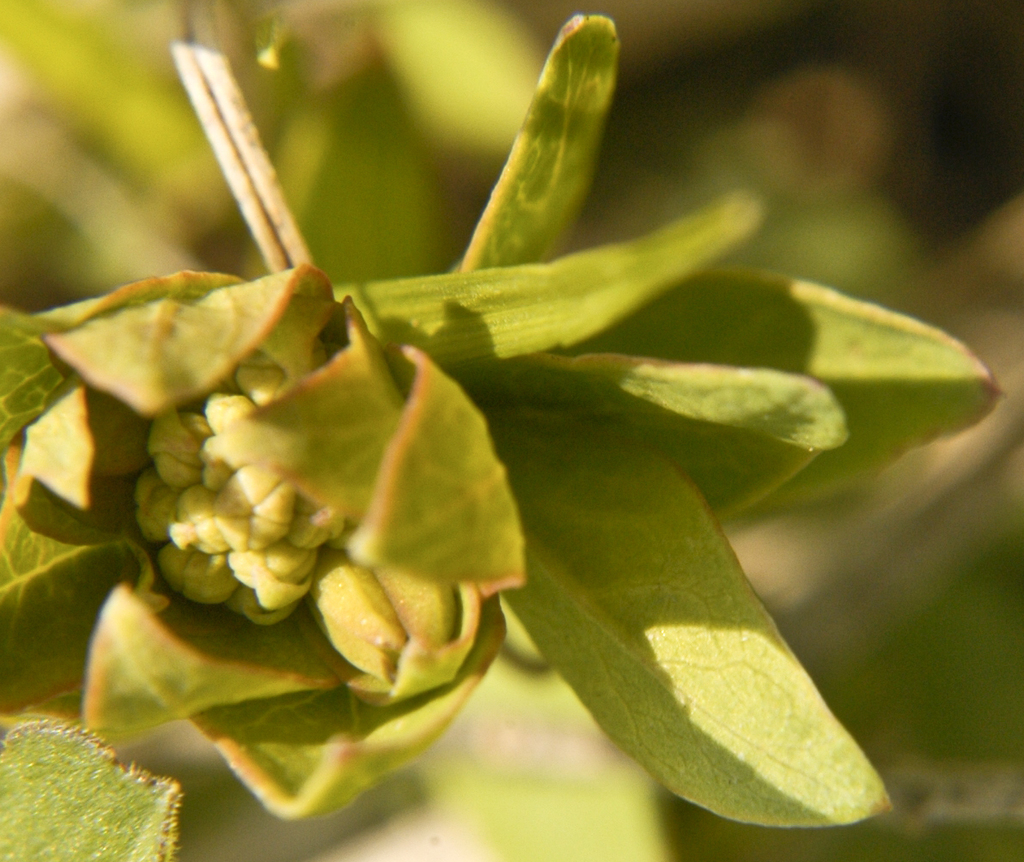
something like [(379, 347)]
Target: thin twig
[(220, 106)]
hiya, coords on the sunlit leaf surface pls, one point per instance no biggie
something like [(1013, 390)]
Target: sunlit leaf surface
[(636, 598), (900, 381), (737, 432), (64, 798), (508, 311), (548, 171), (304, 754)]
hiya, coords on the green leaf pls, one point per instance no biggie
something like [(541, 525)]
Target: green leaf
[(306, 754), (142, 120), (468, 68), (50, 593), (738, 433), (146, 668), (27, 376), (59, 448), (442, 507), (551, 164), (508, 311), (636, 598), (328, 434), (900, 381), (154, 354), (65, 798)]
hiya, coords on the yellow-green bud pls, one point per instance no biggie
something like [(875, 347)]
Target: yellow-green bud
[(313, 525), (157, 503), (254, 508), (174, 443), (200, 577), (243, 601), (408, 634), (195, 525), (357, 616), (260, 378), (280, 574)]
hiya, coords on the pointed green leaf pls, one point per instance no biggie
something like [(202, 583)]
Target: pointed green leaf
[(442, 507), (900, 381), (508, 311), (306, 754), (548, 172), (50, 594), (738, 433), (147, 668), (329, 433), (636, 598), (27, 376), (160, 353), (65, 798)]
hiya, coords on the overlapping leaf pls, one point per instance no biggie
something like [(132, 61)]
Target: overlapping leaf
[(423, 476), (549, 169), (636, 598), (900, 382), (508, 311), (158, 352), (27, 376), (63, 796), (50, 593), (304, 754), (738, 433), (146, 669)]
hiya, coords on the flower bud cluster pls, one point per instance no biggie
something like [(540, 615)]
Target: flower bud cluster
[(240, 536)]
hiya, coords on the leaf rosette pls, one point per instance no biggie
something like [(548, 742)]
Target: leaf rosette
[(226, 501)]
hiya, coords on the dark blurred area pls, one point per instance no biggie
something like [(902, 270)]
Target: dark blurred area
[(887, 141)]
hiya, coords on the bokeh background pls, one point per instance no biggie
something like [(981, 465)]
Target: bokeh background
[(887, 141)]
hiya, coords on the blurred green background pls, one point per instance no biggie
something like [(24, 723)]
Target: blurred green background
[(887, 140)]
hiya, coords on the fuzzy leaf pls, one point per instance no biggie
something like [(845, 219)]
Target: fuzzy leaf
[(508, 311), (147, 668), (442, 507), (27, 376), (64, 798), (900, 381), (636, 598), (328, 434), (551, 164), (156, 353), (305, 754), (738, 433)]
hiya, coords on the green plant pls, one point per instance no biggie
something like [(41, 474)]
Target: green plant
[(207, 476)]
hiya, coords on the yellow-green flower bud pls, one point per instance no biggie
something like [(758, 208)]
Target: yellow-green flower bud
[(200, 577), (157, 504), (243, 601), (313, 525), (174, 443), (222, 411), (280, 574), (195, 525), (408, 634), (357, 616), (254, 508), (260, 378)]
